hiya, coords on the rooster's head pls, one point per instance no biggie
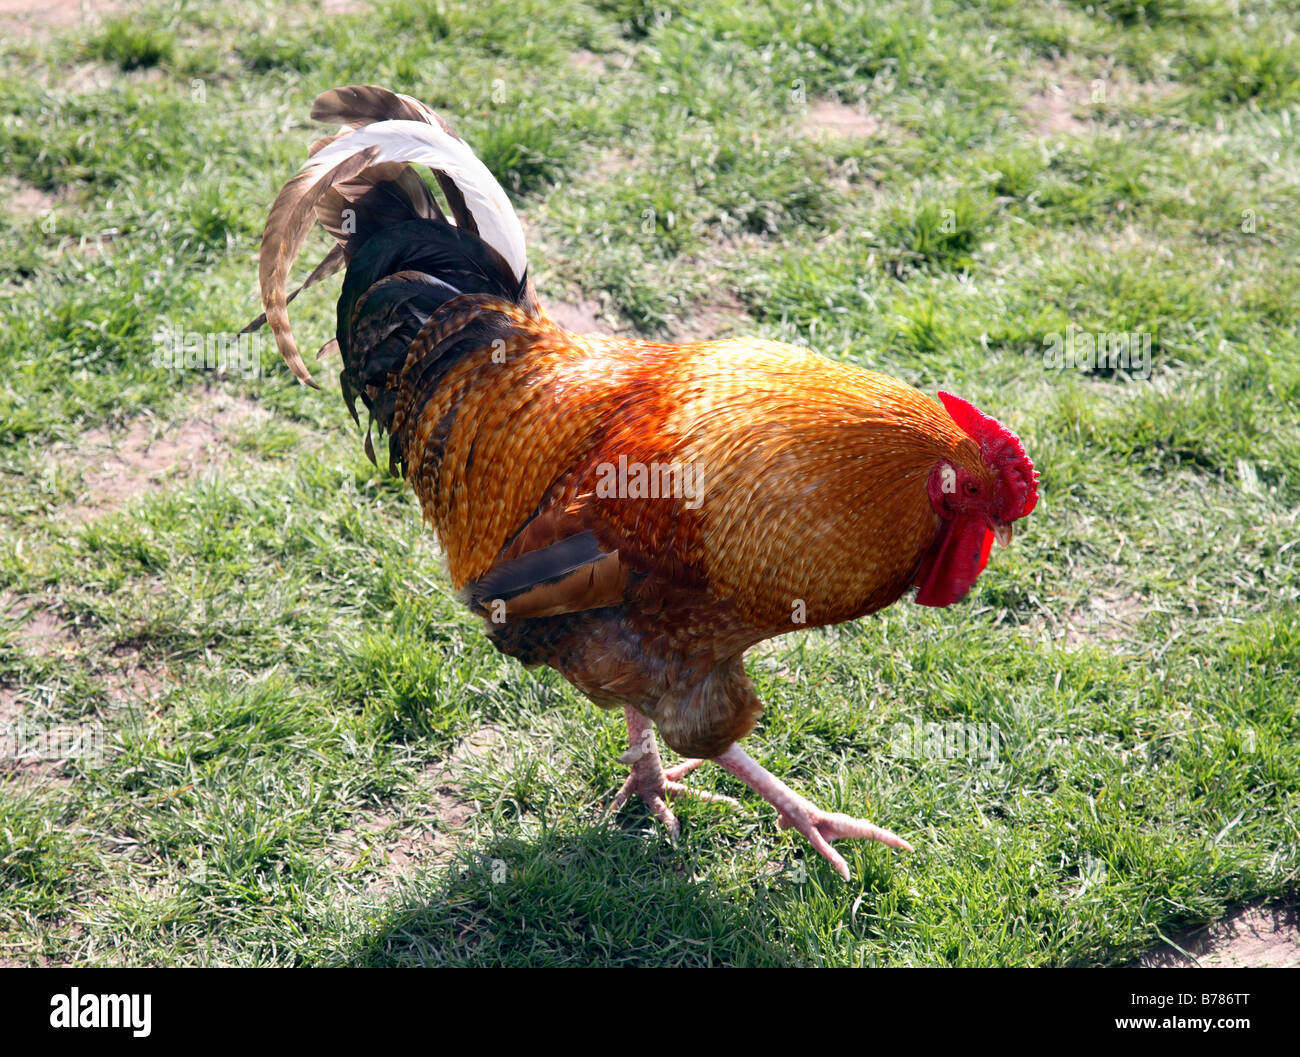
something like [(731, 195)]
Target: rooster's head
[(977, 499)]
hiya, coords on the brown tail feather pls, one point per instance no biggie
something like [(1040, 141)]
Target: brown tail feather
[(287, 227), (361, 104), (330, 263), (395, 182)]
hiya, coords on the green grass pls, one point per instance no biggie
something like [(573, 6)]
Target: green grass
[(271, 652)]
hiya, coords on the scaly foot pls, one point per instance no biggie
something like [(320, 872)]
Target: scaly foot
[(820, 827), (649, 780)]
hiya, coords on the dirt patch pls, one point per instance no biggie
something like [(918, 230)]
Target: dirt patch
[(90, 76), (34, 757), (1066, 102), (719, 317), (1052, 109), (1108, 617), (722, 317), (1063, 102), (379, 839), (11, 705), (33, 629), (445, 781), (87, 77), (128, 681), (393, 845), (615, 163), (36, 629), (24, 200), (32, 751), (585, 316), (1258, 937), (587, 60), (830, 117), (19, 15), (120, 465), (27, 202), (42, 631)]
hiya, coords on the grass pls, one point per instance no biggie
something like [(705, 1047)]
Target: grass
[(292, 703)]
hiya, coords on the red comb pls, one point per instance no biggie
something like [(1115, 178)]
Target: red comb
[(1002, 450), (972, 419)]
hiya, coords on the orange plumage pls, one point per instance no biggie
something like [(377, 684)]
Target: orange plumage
[(635, 515)]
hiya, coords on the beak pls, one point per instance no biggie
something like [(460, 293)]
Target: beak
[(1002, 532)]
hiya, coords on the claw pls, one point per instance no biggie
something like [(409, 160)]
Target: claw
[(650, 781), (822, 827), (794, 812)]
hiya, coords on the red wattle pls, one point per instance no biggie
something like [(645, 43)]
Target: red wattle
[(985, 551), (951, 568)]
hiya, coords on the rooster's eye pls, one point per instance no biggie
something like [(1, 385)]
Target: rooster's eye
[(972, 488)]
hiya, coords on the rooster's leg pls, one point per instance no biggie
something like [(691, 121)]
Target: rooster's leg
[(649, 780), (820, 827)]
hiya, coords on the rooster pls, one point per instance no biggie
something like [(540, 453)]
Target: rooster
[(635, 515)]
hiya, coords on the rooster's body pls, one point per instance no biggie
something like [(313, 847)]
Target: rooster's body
[(634, 515)]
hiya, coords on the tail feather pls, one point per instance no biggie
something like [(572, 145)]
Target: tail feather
[(438, 328), (382, 195), (366, 169), (364, 104), (329, 264), (464, 263), (287, 227), (485, 202)]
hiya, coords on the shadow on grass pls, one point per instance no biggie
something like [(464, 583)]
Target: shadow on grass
[(597, 897)]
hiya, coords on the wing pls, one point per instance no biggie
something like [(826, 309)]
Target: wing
[(557, 563)]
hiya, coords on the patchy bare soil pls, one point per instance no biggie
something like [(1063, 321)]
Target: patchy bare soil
[(44, 633), (584, 59), (1258, 937), (127, 680), (829, 117), (1108, 617), (19, 15), (35, 629), (393, 846), (11, 705), (585, 316), (1054, 108), (449, 801), (31, 15), (1063, 102), (120, 465), (720, 317), (23, 200)]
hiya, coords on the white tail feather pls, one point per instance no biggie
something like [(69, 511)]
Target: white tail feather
[(429, 144)]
